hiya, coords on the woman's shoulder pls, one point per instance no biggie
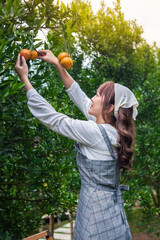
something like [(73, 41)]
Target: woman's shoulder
[(95, 134), (111, 132)]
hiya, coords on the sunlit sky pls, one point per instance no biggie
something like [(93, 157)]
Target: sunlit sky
[(146, 13)]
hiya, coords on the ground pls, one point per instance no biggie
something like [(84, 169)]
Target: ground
[(142, 236), (144, 227)]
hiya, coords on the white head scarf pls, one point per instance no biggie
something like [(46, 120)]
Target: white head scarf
[(124, 98)]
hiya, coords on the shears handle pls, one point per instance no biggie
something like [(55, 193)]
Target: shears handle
[(40, 54)]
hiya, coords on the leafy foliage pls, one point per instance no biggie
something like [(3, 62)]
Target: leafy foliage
[(38, 171)]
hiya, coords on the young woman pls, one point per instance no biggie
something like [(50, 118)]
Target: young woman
[(104, 144)]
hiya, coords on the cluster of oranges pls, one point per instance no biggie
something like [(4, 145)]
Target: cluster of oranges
[(28, 54), (63, 57), (65, 60)]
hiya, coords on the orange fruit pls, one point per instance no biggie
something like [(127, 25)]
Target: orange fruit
[(26, 53), (62, 55), (34, 55), (67, 62)]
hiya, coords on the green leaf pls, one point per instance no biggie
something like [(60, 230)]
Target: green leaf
[(37, 45), (4, 70), (8, 5), (5, 94), (63, 7), (3, 46), (16, 4)]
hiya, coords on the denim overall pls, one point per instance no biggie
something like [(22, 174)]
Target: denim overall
[(100, 213)]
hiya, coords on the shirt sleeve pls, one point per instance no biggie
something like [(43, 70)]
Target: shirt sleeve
[(77, 130), (80, 99)]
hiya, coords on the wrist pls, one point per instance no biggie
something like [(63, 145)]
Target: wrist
[(57, 63), (28, 86), (24, 79)]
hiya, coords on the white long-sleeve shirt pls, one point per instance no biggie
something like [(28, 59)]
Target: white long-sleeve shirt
[(86, 133)]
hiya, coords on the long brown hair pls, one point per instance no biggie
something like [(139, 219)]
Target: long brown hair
[(124, 125)]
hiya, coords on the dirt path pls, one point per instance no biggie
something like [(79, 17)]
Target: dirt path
[(142, 236)]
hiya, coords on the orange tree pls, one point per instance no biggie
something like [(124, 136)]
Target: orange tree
[(36, 164)]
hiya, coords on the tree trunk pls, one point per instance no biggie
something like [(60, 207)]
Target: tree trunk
[(59, 221), (156, 197), (71, 224), (51, 224)]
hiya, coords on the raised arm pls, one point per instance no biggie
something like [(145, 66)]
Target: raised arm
[(74, 129), (81, 131), (75, 93)]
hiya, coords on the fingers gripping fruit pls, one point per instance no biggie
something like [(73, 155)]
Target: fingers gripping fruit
[(28, 54), (65, 60)]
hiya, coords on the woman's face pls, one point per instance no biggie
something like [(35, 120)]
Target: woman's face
[(96, 106)]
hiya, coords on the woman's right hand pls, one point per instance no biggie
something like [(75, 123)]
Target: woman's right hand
[(48, 57)]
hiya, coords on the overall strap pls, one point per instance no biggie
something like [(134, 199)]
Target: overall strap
[(108, 143), (107, 140)]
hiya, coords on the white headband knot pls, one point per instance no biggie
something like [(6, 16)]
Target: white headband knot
[(124, 98)]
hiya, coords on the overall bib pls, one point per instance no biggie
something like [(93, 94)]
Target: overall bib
[(100, 213)]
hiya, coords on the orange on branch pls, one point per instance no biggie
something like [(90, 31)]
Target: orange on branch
[(26, 53), (62, 55), (34, 55), (67, 62)]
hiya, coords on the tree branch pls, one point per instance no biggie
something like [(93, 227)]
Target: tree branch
[(27, 5)]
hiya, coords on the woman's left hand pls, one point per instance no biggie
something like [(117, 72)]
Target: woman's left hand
[(21, 68)]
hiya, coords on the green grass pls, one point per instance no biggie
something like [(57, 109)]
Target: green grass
[(141, 222)]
